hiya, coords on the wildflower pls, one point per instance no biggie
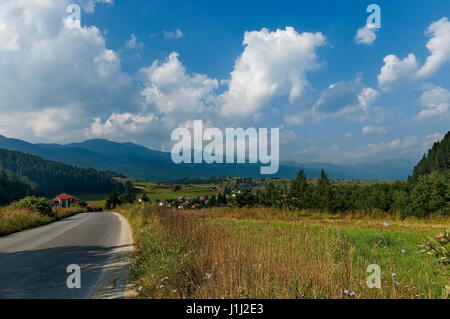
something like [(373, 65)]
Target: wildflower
[(386, 223), (346, 291), (353, 294), (396, 282), (208, 276), (403, 251), (394, 275)]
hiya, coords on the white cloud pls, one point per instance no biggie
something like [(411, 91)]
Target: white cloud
[(436, 102), (272, 64), (438, 45), (97, 99), (370, 129), (55, 67), (176, 34), (406, 148), (367, 97), (133, 43), (366, 35), (396, 70), (171, 90), (121, 125)]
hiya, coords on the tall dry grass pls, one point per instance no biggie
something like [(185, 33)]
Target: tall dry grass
[(184, 256), (14, 219)]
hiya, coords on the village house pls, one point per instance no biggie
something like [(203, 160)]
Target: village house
[(65, 201)]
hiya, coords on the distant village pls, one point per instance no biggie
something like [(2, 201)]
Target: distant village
[(199, 202)]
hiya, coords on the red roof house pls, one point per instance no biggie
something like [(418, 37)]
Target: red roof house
[(65, 200)]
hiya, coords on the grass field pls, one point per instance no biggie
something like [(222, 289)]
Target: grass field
[(93, 199), (266, 253), (165, 191)]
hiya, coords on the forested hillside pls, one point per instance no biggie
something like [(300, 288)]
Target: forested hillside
[(13, 187), (53, 177), (437, 159)]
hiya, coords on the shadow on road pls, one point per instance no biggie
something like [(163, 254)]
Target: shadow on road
[(43, 273)]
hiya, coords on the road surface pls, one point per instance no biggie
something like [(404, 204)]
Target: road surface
[(33, 263)]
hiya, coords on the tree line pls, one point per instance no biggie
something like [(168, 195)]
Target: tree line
[(426, 192), (430, 194), (34, 175)]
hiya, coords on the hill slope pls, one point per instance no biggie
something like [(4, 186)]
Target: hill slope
[(437, 159), (14, 187), (55, 177)]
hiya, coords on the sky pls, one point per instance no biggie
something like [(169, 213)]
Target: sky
[(134, 70)]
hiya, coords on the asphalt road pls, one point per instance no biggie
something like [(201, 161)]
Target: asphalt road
[(33, 263)]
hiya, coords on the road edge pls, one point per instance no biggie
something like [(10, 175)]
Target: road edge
[(115, 282)]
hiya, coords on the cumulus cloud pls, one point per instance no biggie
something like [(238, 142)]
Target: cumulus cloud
[(436, 102), (54, 67), (395, 71), (95, 98), (438, 45), (176, 34), (121, 125), (169, 88), (133, 42), (272, 64), (366, 35)]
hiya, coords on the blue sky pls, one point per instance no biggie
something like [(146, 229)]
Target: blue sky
[(348, 109)]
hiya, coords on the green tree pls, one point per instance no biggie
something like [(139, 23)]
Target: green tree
[(112, 201), (299, 191), (324, 195), (429, 195)]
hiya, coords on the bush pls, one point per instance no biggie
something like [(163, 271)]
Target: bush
[(82, 205), (35, 204)]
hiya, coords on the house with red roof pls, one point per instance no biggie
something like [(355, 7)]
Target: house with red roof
[(65, 200)]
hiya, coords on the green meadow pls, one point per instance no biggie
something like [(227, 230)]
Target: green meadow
[(267, 253)]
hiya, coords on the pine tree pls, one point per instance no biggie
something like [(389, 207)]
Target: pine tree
[(323, 192), (299, 191)]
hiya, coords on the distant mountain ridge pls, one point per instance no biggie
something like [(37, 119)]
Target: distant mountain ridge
[(139, 162)]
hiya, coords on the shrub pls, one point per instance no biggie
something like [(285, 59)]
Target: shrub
[(35, 204), (82, 205)]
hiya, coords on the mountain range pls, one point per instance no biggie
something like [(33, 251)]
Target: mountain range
[(136, 161)]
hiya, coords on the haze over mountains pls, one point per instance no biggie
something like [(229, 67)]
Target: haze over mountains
[(139, 162)]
